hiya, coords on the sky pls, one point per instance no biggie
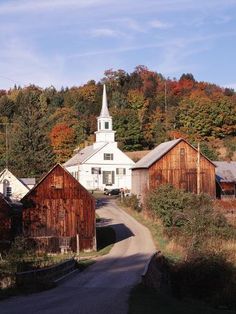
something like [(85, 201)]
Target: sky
[(69, 42)]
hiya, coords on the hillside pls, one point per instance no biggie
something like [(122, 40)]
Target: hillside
[(44, 126)]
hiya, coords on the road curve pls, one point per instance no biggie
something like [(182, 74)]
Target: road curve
[(104, 287)]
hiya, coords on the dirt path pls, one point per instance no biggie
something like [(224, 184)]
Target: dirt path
[(104, 287)]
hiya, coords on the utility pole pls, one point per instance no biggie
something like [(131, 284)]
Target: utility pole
[(166, 105)]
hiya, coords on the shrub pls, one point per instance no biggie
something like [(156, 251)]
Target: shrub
[(132, 202), (188, 215)]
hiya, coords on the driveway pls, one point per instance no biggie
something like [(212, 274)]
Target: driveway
[(104, 287)]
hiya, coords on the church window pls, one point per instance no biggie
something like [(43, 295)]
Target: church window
[(120, 171), (100, 126), (96, 170), (108, 156), (106, 125), (108, 177)]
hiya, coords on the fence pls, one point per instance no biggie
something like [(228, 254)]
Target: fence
[(45, 275)]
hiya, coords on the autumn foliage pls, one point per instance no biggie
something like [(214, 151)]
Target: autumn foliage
[(62, 139)]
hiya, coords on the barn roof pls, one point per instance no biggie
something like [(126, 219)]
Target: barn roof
[(82, 155), (47, 174), (158, 152), (225, 171)]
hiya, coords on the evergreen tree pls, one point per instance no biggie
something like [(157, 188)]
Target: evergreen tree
[(31, 153)]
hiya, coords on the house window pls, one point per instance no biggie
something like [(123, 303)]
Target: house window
[(120, 171), (106, 125), (108, 156), (108, 177), (96, 170)]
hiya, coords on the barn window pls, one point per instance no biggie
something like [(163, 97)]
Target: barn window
[(58, 182), (182, 152), (108, 156)]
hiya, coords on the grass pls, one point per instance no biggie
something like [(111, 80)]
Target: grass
[(146, 301)]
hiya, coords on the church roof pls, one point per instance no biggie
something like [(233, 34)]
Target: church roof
[(83, 155), (104, 112)]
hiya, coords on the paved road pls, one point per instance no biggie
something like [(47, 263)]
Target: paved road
[(104, 287)]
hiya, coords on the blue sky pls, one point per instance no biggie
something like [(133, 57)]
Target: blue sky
[(68, 42)]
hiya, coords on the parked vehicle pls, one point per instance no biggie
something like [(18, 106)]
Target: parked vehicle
[(112, 192)]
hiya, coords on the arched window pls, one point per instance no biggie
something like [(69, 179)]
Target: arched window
[(6, 188)]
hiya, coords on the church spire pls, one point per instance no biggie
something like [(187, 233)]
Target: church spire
[(104, 112), (104, 133)]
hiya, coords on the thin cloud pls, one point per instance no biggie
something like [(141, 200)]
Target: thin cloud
[(29, 5), (104, 32), (159, 24)]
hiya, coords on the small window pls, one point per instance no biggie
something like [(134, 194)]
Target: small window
[(58, 182), (120, 171), (106, 125), (182, 151), (108, 156), (96, 170), (99, 125)]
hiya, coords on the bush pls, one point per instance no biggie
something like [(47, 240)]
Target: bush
[(188, 215), (132, 202)]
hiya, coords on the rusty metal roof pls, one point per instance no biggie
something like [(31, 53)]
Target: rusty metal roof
[(156, 154), (225, 171), (159, 152)]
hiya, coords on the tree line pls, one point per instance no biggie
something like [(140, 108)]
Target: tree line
[(45, 125)]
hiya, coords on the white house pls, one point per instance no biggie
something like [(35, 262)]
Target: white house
[(103, 164), (12, 187)]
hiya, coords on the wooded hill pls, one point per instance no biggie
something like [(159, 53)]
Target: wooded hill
[(46, 125)]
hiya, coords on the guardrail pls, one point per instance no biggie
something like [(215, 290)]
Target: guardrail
[(45, 275)]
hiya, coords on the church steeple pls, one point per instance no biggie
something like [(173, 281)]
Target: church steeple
[(104, 133), (104, 112)]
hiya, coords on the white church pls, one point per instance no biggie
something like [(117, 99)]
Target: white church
[(103, 164)]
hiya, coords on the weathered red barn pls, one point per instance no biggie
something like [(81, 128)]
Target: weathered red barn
[(5, 219), (59, 213), (175, 162)]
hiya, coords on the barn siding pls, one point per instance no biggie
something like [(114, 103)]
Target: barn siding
[(60, 207), (180, 170), (140, 182), (5, 220)]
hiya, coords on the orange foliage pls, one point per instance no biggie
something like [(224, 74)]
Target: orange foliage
[(63, 141)]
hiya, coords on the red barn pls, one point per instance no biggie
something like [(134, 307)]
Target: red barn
[(5, 219), (59, 213), (175, 162)]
